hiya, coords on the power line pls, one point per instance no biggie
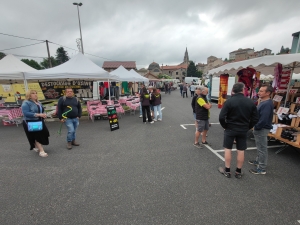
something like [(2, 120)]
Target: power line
[(22, 46), (62, 45), (26, 55), (20, 37)]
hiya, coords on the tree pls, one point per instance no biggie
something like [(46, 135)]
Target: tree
[(164, 76), (191, 70), (2, 55), (226, 60), (61, 56), (45, 63), (34, 64), (199, 73)]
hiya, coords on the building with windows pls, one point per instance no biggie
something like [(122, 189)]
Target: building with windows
[(212, 62), (241, 52)]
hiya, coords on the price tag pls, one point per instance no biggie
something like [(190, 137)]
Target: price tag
[(282, 110), (298, 100), (277, 98)]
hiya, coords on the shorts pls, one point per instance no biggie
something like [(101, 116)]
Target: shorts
[(202, 125), (238, 136), (194, 114), (151, 108)]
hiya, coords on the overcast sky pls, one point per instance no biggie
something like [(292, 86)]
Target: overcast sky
[(147, 31)]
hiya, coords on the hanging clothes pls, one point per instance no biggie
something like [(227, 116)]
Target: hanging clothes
[(246, 77)]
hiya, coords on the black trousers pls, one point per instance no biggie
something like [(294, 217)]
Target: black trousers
[(146, 111), (184, 93)]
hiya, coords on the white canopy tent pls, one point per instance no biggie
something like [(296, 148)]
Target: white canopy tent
[(126, 75), (12, 70), (77, 68)]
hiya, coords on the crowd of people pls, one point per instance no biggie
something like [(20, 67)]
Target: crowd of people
[(238, 115)]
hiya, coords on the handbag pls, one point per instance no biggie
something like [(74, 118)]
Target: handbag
[(35, 126)]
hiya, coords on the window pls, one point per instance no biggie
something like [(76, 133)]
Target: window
[(176, 73)]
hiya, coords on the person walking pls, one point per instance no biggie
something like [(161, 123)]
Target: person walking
[(69, 112), (145, 100), (192, 89), (156, 101), (184, 90), (238, 115), (181, 88), (202, 107), (262, 128), (33, 111)]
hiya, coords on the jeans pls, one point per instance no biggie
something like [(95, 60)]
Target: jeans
[(157, 108), (192, 93), (72, 125), (146, 112), (181, 92), (141, 112), (184, 93), (261, 140)]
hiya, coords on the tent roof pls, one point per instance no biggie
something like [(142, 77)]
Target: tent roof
[(79, 67), (11, 68), (134, 73), (260, 63), (126, 75)]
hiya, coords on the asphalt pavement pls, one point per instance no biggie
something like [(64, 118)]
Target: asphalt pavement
[(143, 174)]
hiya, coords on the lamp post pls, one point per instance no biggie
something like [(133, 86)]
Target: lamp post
[(79, 4)]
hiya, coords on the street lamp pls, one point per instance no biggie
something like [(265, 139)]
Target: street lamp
[(79, 4)]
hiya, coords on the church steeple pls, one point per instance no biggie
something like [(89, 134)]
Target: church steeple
[(186, 57)]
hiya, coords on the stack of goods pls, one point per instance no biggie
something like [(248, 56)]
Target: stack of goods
[(289, 134)]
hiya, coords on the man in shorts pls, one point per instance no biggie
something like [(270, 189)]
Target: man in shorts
[(194, 99), (202, 107), (237, 117)]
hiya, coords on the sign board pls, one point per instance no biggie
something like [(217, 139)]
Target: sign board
[(112, 117), (56, 89), (282, 110), (277, 98), (293, 91)]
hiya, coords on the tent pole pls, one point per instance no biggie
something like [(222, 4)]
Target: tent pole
[(25, 83), (108, 90), (288, 89)]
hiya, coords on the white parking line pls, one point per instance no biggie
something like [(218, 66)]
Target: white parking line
[(298, 221), (183, 125), (251, 148), (213, 151)]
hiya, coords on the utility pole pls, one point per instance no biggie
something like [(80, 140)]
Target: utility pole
[(49, 59)]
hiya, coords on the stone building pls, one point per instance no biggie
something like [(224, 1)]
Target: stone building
[(212, 62), (240, 51), (154, 68)]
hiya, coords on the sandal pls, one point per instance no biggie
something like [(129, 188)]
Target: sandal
[(36, 149), (43, 154)]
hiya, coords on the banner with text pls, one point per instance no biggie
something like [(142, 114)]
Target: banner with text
[(56, 89)]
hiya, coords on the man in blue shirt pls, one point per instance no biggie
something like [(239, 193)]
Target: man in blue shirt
[(262, 128)]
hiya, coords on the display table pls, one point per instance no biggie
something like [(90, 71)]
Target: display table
[(14, 115)]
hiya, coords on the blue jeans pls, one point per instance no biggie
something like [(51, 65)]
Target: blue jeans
[(261, 140), (72, 125), (157, 108)]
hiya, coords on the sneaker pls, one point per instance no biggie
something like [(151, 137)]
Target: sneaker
[(205, 143), (155, 120), (222, 171), (141, 116), (253, 162), (238, 175), (198, 145), (152, 121), (257, 171), (159, 119)]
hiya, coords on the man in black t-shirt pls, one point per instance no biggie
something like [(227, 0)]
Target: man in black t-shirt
[(69, 112)]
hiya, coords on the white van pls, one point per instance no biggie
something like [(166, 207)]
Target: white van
[(215, 87), (195, 80)]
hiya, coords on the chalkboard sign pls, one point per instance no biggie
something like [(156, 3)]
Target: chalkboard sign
[(112, 117)]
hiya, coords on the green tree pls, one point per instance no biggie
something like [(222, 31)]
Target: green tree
[(2, 55), (226, 60), (164, 76), (199, 73), (61, 56), (45, 63), (34, 64), (191, 70)]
